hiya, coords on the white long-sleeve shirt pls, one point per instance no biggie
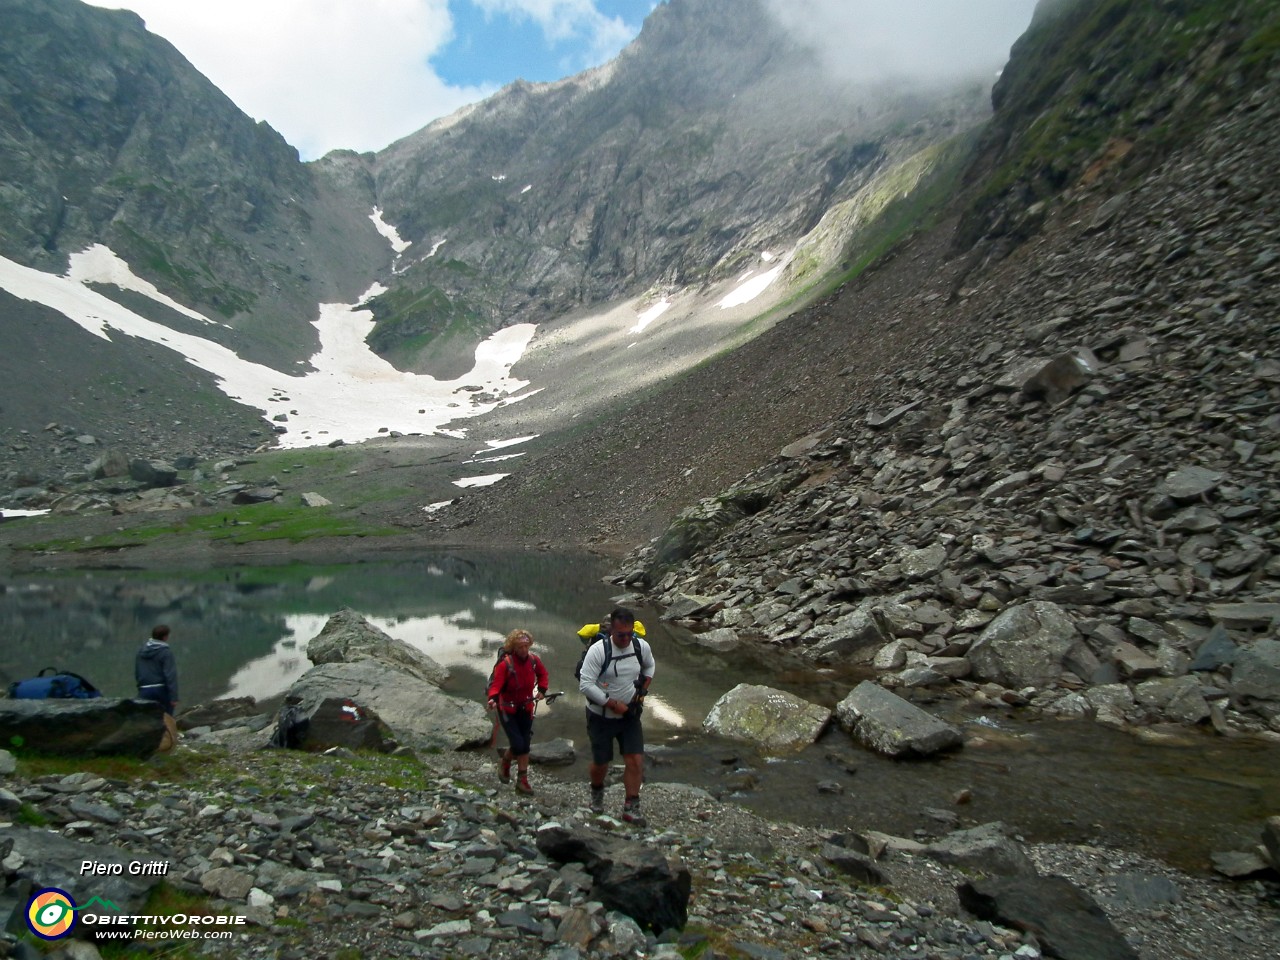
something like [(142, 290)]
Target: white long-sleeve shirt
[(620, 679)]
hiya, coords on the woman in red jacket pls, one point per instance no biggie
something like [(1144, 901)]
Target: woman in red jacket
[(519, 682)]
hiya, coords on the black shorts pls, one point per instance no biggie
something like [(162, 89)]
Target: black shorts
[(603, 731)]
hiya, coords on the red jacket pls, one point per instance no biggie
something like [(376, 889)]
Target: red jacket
[(514, 681)]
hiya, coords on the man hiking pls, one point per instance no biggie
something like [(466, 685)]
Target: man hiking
[(615, 676)]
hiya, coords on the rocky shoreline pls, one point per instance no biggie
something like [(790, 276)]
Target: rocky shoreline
[(412, 847), (432, 857)]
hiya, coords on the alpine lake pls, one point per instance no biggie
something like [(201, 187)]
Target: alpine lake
[(238, 632)]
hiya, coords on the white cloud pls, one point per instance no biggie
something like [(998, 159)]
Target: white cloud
[(870, 40), (325, 73), (568, 20)]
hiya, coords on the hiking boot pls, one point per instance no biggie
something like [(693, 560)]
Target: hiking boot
[(522, 785), (597, 799), (505, 775), (631, 814)]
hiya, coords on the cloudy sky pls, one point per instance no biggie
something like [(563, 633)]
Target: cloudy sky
[(363, 73)]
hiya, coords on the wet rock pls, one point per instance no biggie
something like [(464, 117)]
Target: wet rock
[(771, 719), (884, 722)]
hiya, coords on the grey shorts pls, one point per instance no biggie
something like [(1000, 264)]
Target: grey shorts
[(603, 731)]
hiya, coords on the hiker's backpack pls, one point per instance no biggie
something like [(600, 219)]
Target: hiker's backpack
[(292, 727), (591, 633), (54, 684)]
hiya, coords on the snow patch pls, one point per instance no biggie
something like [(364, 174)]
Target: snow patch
[(388, 231), (749, 288), (499, 444), (486, 481), (527, 187), (436, 246), (351, 393), (650, 315), (99, 264)]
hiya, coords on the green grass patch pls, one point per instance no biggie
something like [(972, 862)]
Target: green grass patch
[(236, 525)]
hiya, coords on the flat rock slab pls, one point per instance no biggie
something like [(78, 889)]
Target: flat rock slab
[(884, 722), (1066, 921)]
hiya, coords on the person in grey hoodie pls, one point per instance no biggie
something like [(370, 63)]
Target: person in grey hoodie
[(155, 671)]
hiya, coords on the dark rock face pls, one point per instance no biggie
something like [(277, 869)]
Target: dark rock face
[(1066, 921), (101, 727), (634, 879), (667, 166), (111, 136)]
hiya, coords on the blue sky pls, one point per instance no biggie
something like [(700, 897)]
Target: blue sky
[(361, 74), (494, 46)]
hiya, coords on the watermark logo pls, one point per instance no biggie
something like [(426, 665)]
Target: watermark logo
[(51, 914)]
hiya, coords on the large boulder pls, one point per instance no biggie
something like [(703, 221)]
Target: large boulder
[(884, 722), (1256, 671), (1025, 646), (635, 879), (418, 712), (154, 473), (112, 463), (854, 636), (986, 849), (769, 718), (105, 726), (348, 637), (1066, 921), (343, 723)]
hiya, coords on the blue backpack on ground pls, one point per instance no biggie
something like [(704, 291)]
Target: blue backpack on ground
[(54, 684)]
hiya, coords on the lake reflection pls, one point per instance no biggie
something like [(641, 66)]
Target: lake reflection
[(244, 631)]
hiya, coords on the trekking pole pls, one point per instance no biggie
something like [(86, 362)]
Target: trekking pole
[(546, 698)]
